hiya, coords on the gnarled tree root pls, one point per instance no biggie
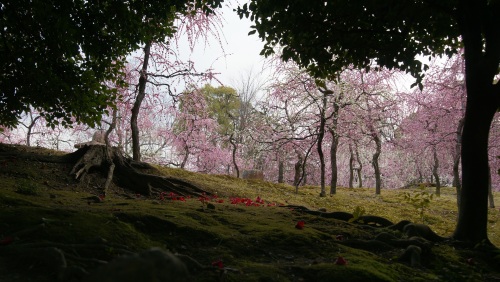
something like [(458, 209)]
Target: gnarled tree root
[(126, 173)]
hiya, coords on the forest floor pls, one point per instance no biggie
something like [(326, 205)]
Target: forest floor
[(54, 227)]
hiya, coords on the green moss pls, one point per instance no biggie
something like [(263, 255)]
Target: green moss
[(255, 243)]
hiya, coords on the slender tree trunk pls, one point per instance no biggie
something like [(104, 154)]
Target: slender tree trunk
[(321, 134), (143, 79), (281, 171), (235, 147), (30, 129), (360, 167), (333, 161), (304, 173), (491, 199), (186, 156), (112, 127), (375, 158), (297, 172), (435, 171), (456, 160), (351, 166)]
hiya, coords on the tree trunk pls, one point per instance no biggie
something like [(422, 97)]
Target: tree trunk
[(281, 171), (186, 156), (375, 158), (456, 160), (351, 166), (481, 66), (435, 171), (333, 161), (360, 167), (473, 210), (143, 79), (30, 128), (491, 199), (235, 147), (321, 134), (298, 172)]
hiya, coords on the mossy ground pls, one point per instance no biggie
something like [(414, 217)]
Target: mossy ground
[(255, 243)]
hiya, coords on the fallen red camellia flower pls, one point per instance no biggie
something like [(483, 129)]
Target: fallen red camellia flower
[(341, 261), (300, 224), (218, 263)]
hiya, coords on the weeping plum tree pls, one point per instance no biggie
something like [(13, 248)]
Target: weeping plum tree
[(195, 21), (437, 120), (285, 127), (392, 34)]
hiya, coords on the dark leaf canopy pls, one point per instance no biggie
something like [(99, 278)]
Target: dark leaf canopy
[(325, 36), (57, 56)]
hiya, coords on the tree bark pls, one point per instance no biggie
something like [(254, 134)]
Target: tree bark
[(333, 161), (435, 171), (186, 156), (321, 134), (298, 171), (491, 199), (143, 79), (375, 158), (360, 167), (30, 128), (235, 147), (351, 166), (456, 160), (473, 210), (281, 171), (483, 100)]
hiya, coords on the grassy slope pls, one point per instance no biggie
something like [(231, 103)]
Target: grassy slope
[(254, 243)]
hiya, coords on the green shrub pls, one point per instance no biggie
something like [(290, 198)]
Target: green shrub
[(419, 199)]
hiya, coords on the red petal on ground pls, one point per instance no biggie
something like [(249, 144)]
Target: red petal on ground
[(341, 261), (300, 224), (218, 263)]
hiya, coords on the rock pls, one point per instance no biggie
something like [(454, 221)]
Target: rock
[(412, 254), (148, 266)]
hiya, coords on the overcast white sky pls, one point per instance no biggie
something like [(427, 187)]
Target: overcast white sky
[(241, 50)]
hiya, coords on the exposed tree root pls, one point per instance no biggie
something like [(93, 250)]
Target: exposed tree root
[(126, 173), (115, 168), (413, 241), (369, 220)]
